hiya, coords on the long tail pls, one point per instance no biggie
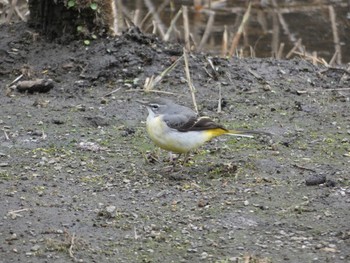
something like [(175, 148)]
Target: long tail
[(247, 133)]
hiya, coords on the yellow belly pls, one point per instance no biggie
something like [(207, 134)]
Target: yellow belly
[(179, 142)]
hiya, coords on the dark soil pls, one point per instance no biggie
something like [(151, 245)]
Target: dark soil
[(81, 181)]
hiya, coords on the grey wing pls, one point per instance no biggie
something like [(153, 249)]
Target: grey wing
[(205, 123), (180, 118), (180, 122)]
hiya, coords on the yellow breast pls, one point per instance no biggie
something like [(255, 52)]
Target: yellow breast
[(174, 140)]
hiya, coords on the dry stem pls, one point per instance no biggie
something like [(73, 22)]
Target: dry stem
[(189, 81), (237, 37), (207, 30), (186, 27)]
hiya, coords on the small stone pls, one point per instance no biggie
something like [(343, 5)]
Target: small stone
[(202, 203), (204, 255), (12, 237), (329, 249), (110, 209), (246, 202), (315, 180), (35, 248), (319, 246)]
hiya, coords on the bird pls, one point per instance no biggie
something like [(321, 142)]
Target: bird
[(178, 129)]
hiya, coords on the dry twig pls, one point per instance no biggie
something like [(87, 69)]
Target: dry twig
[(152, 81), (189, 81), (172, 25), (207, 30), (335, 35), (157, 22), (224, 42), (70, 250), (240, 30), (186, 27)]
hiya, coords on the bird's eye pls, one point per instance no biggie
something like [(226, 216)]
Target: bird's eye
[(154, 106)]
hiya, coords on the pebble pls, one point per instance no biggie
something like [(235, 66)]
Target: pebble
[(315, 180), (204, 255), (12, 237), (110, 209), (35, 248)]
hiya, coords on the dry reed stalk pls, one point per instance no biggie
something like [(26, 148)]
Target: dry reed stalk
[(154, 91), (283, 23), (207, 30), (21, 16), (252, 52), (186, 27), (314, 58), (159, 10), (145, 18), (11, 10), (296, 46), (224, 42), (193, 40), (114, 25), (154, 30), (310, 57), (152, 81), (136, 19), (189, 81), (237, 37), (71, 246), (261, 18), (157, 22), (220, 99), (280, 51), (334, 58), (335, 34), (172, 25), (275, 35)]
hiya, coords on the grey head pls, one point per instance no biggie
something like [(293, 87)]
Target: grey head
[(163, 106), (175, 115)]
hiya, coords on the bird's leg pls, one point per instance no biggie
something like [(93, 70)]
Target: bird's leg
[(185, 158)]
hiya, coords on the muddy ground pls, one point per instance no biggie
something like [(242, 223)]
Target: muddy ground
[(81, 181)]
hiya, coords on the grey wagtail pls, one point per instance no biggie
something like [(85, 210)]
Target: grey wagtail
[(178, 129)]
